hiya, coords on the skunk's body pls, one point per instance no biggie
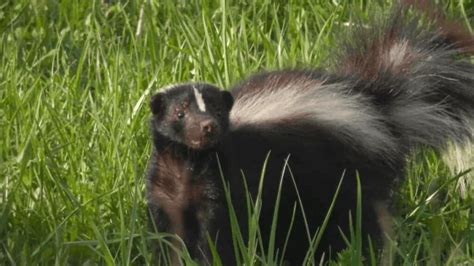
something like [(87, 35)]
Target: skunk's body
[(395, 88), (350, 138)]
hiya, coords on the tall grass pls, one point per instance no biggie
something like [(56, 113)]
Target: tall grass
[(75, 78)]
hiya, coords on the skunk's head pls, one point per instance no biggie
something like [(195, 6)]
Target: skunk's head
[(193, 114)]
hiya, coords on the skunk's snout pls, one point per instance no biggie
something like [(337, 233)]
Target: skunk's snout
[(208, 127)]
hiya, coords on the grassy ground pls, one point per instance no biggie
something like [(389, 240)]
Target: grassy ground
[(75, 78)]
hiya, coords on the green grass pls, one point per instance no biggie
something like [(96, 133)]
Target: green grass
[(75, 78)]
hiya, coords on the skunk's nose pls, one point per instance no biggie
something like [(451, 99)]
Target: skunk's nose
[(208, 127)]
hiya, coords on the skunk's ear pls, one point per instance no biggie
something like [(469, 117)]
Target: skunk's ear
[(228, 99), (157, 103)]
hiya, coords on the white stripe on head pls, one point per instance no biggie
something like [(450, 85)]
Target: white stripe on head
[(199, 100)]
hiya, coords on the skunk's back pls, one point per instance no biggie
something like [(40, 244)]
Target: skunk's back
[(297, 104)]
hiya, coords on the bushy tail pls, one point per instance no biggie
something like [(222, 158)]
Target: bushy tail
[(418, 69)]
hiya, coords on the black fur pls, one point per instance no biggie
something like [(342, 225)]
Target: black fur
[(318, 160)]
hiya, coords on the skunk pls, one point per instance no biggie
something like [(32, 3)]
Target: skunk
[(394, 87)]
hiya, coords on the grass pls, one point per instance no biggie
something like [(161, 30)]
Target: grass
[(75, 78)]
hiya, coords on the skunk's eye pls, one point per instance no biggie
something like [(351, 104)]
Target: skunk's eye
[(180, 115)]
